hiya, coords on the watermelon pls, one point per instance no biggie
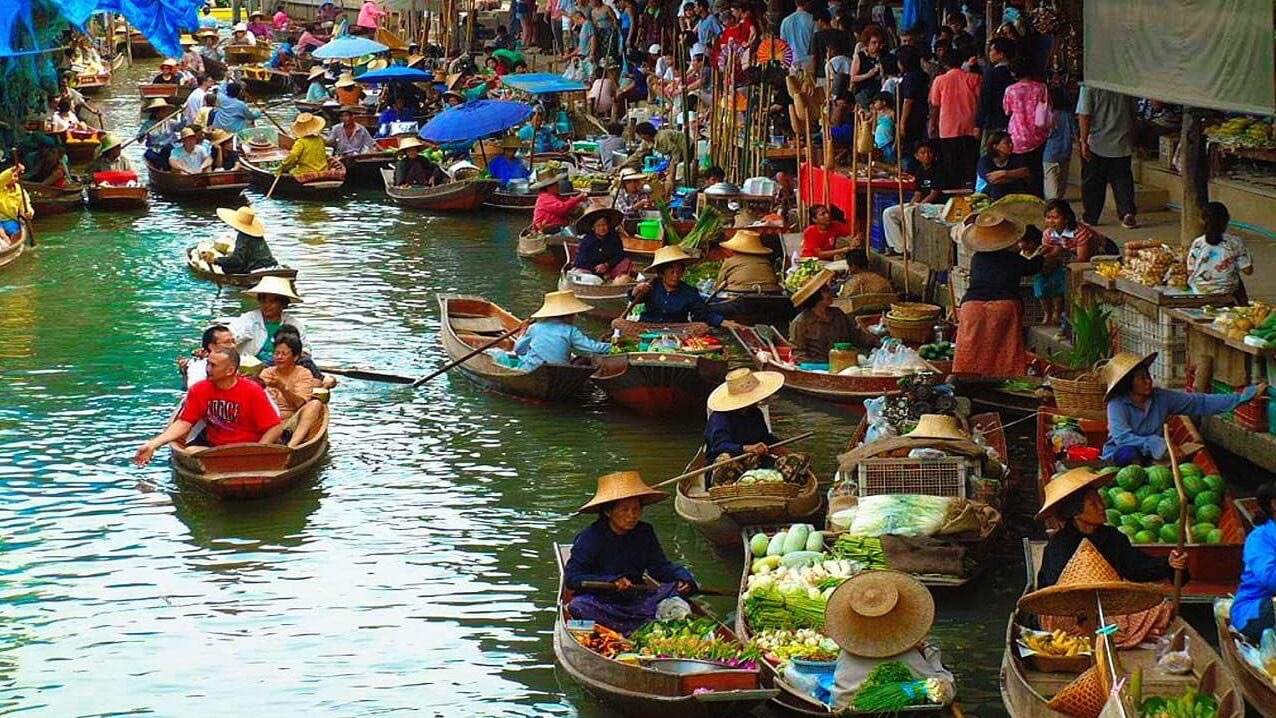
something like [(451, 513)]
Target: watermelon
[(1168, 509), (1193, 485), (1215, 536), (1107, 499), (1207, 498), (1107, 470), (1152, 522), (1201, 532), (1131, 477), (1160, 478), (1190, 469), (1114, 517), (1209, 514), (1149, 503), (1144, 536), (1143, 492), (1133, 520), (1214, 482), (1169, 532), (1125, 502), (1129, 532)]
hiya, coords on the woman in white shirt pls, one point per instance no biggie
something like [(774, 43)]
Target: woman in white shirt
[(1216, 259)]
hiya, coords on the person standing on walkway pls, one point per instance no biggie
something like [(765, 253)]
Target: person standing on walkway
[(798, 29), (954, 101), (1027, 102), (1106, 120), (992, 115)]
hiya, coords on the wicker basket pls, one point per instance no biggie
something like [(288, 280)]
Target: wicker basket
[(914, 310), (911, 331), (735, 491), (1084, 393), (1061, 664)]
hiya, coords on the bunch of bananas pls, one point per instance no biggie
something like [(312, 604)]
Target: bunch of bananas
[(1108, 270), (1242, 131), (1057, 643)]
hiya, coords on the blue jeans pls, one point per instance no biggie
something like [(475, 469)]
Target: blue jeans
[(1128, 455)]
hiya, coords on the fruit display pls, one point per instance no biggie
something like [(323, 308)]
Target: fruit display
[(1253, 324), (939, 351), (1108, 270), (669, 342), (1144, 505), (780, 646), (1192, 704), (1057, 643), (585, 182), (603, 641), (1019, 207), (1243, 132), (802, 273), (1154, 264)]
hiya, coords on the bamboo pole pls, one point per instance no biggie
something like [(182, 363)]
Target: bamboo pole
[(688, 161), (868, 203), (899, 183)]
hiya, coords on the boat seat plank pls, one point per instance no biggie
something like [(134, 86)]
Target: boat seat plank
[(478, 325)]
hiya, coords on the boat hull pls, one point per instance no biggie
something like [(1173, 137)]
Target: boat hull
[(117, 198), (289, 187), (10, 253), (659, 383), (47, 200), (236, 280), (455, 196), (204, 187), (1258, 689), (542, 250)]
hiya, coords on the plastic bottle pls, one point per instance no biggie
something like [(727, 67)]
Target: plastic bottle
[(841, 356)]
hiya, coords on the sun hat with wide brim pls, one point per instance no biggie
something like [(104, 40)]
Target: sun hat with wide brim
[(257, 14), (157, 104), (560, 304), (307, 124), (217, 135), (106, 144), (744, 387), (244, 219), (746, 241), (672, 254), (629, 173), (169, 62), (585, 224), (991, 232), (1120, 366), (241, 27), (1069, 483), (346, 80), (621, 485), (1119, 598), (408, 143), (279, 286), (453, 93), (186, 132), (510, 142), (547, 178), (812, 285), (937, 426), (878, 614), (316, 71), (378, 64)]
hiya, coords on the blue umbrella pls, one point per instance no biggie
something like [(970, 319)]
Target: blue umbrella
[(469, 122), (348, 46), (397, 74)]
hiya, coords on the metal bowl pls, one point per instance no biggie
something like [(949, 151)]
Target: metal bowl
[(684, 666), (722, 189)]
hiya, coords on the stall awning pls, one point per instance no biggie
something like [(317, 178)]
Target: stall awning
[(1201, 53), (542, 83)]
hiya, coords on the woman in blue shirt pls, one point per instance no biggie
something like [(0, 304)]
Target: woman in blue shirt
[(601, 251), (1137, 410), (1252, 608), (666, 298), (553, 338), (737, 426)]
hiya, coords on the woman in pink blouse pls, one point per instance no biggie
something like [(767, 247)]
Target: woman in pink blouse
[(1027, 103)]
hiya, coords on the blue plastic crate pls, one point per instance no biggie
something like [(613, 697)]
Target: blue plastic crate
[(877, 237)]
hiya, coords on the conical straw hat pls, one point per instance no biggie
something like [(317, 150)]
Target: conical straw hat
[(244, 219), (1084, 697), (279, 286), (991, 232), (346, 80), (1119, 598), (560, 304), (307, 124), (1087, 565), (746, 242), (744, 387), (937, 426), (811, 286), (316, 71), (408, 143), (585, 224), (621, 485), (1069, 483), (668, 255), (1120, 366), (879, 613)]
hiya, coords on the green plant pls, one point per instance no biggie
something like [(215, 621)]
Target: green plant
[(1091, 334)]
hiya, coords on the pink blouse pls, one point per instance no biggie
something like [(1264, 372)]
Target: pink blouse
[(1020, 103)]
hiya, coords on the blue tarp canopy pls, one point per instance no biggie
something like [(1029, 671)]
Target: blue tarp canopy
[(396, 74), (161, 21), (348, 46), (542, 83)]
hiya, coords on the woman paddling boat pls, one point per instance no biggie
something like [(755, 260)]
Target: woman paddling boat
[(737, 426), (553, 338), (666, 298)]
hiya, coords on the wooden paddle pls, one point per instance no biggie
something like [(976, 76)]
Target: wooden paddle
[(367, 375), (273, 121), (273, 184), (609, 586), (731, 460), (480, 350), (1182, 539)]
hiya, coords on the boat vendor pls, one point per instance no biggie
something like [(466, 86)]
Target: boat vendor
[(309, 153), (601, 251), (1251, 612), (452, 98), (880, 616), (108, 158), (632, 198), (210, 46), (1085, 547), (167, 74), (1137, 410), (255, 330), (317, 90), (539, 135), (863, 281), (292, 386), (620, 549), (15, 204), (820, 240), (225, 158), (667, 141), (397, 112), (349, 137), (666, 299), (260, 27), (191, 157), (349, 93), (251, 251), (819, 325), (990, 340), (737, 426), (507, 166), (553, 339), (415, 170), (233, 410), (554, 204), (748, 266)]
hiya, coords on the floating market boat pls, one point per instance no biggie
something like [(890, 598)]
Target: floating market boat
[(331, 112), (1257, 686), (92, 83), (264, 81), (215, 69), (221, 186), (1214, 569), (139, 48), (608, 300), (212, 273), (721, 517), (546, 250), (470, 322), (117, 197), (173, 94), (247, 54), (1025, 690), (81, 145), (660, 383), (262, 160), (654, 688), (249, 471), (456, 196), (47, 200), (10, 252)]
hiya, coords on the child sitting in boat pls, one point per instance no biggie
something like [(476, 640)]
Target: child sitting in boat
[(553, 338), (1251, 612)]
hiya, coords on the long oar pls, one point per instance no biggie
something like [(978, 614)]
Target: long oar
[(476, 352), (273, 184), (731, 460), (26, 202), (148, 131), (1182, 538), (609, 586), (367, 375), (273, 121)]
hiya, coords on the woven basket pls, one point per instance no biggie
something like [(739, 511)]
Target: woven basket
[(910, 331), (773, 489), (1085, 393), (914, 310)]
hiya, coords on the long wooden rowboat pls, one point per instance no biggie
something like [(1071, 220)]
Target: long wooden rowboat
[(323, 185), (608, 300), (247, 54), (80, 146), (249, 471), (220, 186), (10, 252), (140, 48), (659, 383), (651, 690), (106, 197), (837, 388), (470, 322), (202, 270), (1255, 684), (91, 83), (512, 201), (173, 94), (721, 520), (455, 196), (47, 200), (263, 81), (546, 250), (1025, 691), (1214, 569)]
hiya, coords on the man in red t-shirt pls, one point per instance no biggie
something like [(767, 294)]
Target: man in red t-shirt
[(819, 241), (235, 410)]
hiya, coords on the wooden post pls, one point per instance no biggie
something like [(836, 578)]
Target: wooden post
[(1195, 171), (899, 183)]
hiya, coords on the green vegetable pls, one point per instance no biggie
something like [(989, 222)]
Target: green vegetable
[(708, 226), (866, 550), (758, 544), (1091, 334), (796, 538), (815, 542), (776, 547), (891, 697)]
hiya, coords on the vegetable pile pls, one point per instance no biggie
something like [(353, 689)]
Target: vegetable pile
[(892, 687), (864, 550), (1143, 504), (791, 579), (693, 638), (708, 227), (603, 641), (700, 271), (802, 274), (784, 645), (1254, 324), (1190, 705), (939, 351)]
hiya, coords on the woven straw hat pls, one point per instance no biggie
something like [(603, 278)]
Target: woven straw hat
[(744, 387), (991, 232), (671, 254), (560, 304), (546, 177), (244, 219), (157, 104), (746, 242), (1069, 483), (279, 286), (511, 142), (453, 93), (812, 286), (307, 124), (937, 426), (1087, 565), (186, 132), (317, 71), (621, 485), (409, 142), (1119, 598), (168, 62), (585, 224), (629, 173), (378, 64), (346, 80), (217, 135), (879, 613), (106, 144), (1120, 366)]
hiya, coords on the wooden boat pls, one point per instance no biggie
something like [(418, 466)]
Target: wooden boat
[(1025, 691), (201, 270), (139, 48), (215, 69), (331, 112), (47, 200), (365, 170), (261, 162), (455, 196), (847, 389), (653, 690), (219, 186), (521, 201), (470, 322), (173, 94), (1257, 687), (81, 146), (659, 383), (264, 81), (10, 252), (249, 471), (91, 83), (755, 307), (1214, 569), (546, 250), (108, 197), (608, 300), (721, 520), (247, 54)]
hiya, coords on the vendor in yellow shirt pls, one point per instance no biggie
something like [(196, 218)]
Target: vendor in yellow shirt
[(15, 205), (309, 152)]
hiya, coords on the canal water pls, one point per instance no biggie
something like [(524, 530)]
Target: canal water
[(414, 574)]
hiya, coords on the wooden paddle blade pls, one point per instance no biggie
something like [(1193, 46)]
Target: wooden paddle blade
[(367, 375)]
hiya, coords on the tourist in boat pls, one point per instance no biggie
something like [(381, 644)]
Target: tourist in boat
[(631, 198), (397, 112), (881, 616), (260, 27), (309, 153), (666, 299), (863, 281), (234, 410), (191, 157), (539, 135), (415, 169), (507, 166), (1137, 409), (108, 158), (159, 141), (1251, 612), (233, 114), (211, 49), (317, 90), (348, 92), (255, 330), (15, 204), (601, 251), (553, 338), (819, 325), (64, 118), (737, 427), (192, 61), (225, 157), (822, 238), (251, 251), (167, 74), (195, 101), (292, 386), (49, 166), (748, 266), (349, 137), (1085, 544), (620, 549), (241, 36), (554, 203), (195, 369)]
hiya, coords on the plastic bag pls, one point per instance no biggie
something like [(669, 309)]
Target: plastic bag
[(1175, 662), (672, 609), (927, 453), (900, 515), (873, 409), (879, 429)]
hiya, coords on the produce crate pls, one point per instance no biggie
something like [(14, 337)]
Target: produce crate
[(1143, 328), (1167, 145), (930, 477), (959, 280), (932, 241)]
